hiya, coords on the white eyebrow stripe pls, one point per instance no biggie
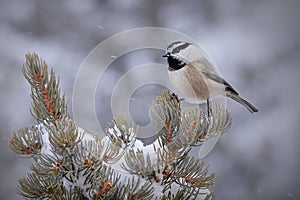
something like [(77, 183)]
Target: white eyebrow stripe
[(180, 47), (172, 45)]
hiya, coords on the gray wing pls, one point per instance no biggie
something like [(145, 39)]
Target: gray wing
[(220, 80), (206, 66), (210, 72)]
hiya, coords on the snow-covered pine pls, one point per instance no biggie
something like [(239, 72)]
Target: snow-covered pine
[(72, 163)]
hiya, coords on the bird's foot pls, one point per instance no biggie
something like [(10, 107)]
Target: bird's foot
[(209, 116), (174, 96)]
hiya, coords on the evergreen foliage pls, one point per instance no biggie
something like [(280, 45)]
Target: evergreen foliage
[(72, 163)]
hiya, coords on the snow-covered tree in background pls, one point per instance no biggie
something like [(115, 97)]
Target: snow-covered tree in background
[(72, 163)]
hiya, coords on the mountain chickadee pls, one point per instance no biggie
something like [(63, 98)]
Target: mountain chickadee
[(195, 79)]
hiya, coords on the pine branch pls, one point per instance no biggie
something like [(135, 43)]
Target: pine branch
[(47, 104), (67, 137), (122, 132), (26, 141), (34, 187), (135, 190), (166, 113), (140, 163), (190, 172), (72, 163)]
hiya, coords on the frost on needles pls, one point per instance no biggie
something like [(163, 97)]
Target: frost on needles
[(72, 163)]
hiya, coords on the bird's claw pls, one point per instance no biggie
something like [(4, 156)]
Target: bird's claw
[(174, 96)]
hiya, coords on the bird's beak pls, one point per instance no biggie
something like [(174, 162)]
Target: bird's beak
[(166, 55)]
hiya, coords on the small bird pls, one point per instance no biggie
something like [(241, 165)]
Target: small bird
[(195, 78)]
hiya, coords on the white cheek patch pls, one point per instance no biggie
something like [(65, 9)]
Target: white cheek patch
[(179, 57)]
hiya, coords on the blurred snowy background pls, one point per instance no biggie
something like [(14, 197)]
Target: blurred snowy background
[(255, 44)]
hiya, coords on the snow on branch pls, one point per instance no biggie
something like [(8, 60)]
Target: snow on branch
[(73, 163)]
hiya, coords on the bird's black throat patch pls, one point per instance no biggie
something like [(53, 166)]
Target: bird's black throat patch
[(175, 63)]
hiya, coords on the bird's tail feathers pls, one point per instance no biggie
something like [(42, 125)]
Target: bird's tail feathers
[(245, 103)]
